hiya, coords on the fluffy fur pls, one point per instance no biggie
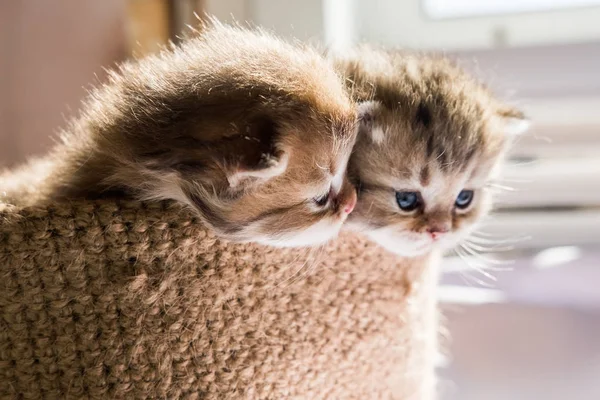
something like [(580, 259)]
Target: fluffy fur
[(252, 132), (428, 128)]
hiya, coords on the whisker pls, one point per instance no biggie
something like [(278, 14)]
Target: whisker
[(471, 281), (302, 272), (496, 264), (501, 187), (487, 247), (440, 155), (499, 238), (524, 163), (483, 257), (490, 235), (512, 180), (317, 262), (474, 263), (479, 267), (476, 268), (291, 277), (487, 240), (321, 167), (476, 239), (486, 234)]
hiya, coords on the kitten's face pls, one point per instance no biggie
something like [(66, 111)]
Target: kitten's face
[(278, 178), (309, 196), (424, 176)]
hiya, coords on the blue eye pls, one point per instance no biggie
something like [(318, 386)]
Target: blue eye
[(408, 201), (464, 199)]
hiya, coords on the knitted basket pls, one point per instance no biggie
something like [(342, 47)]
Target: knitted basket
[(123, 300)]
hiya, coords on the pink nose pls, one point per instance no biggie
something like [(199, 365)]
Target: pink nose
[(437, 232), (350, 203)]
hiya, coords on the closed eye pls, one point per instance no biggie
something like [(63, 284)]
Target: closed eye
[(322, 200)]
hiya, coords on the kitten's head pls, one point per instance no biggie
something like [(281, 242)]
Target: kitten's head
[(430, 142), (282, 182), (253, 133)]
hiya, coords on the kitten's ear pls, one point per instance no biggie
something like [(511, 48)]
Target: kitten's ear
[(262, 157), (367, 115), (512, 121), (367, 111), (268, 166)]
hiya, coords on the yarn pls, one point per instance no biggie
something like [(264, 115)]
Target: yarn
[(124, 300)]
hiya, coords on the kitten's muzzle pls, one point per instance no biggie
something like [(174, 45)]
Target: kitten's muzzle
[(351, 203), (438, 230), (345, 201)]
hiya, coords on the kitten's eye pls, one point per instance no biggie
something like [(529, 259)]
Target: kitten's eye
[(321, 201), (464, 199), (408, 201)]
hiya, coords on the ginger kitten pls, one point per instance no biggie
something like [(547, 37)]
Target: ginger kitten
[(252, 132), (431, 140)]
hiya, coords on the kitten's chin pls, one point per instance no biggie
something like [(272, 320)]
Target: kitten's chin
[(317, 234)]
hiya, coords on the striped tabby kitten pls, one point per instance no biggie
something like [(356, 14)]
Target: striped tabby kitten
[(252, 132), (431, 140)]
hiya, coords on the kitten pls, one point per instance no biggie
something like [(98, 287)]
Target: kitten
[(431, 141), (252, 132)]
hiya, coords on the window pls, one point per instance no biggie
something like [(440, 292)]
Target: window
[(440, 9)]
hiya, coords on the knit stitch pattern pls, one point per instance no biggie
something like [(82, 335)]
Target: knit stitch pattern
[(124, 300)]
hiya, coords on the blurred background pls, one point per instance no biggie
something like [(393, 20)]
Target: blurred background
[(525, 327)]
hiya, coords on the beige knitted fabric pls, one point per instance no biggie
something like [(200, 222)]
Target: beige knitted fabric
[(118, 300)]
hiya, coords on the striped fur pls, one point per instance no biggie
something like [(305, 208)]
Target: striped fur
[(426, 127)]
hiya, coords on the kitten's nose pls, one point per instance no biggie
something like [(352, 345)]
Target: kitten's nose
[(350, 202), (438, 230), (345, 200)]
